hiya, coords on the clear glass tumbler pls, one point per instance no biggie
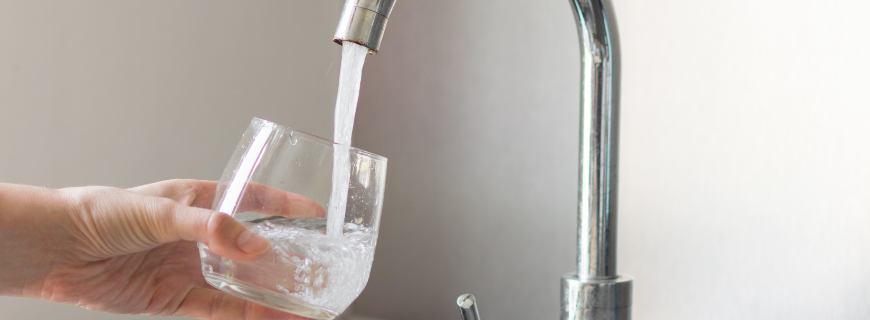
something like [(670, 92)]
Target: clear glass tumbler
[(309, 270)]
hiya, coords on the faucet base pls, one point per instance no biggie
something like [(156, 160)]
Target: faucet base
[(588, 299)]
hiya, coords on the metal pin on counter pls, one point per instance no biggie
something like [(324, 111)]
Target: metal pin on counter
[(467, 307)]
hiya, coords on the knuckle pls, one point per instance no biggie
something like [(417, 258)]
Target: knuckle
[(83, 197), (165, 220), (216, 223), (181, 184)]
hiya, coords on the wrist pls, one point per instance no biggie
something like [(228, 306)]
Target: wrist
[(32, 228)]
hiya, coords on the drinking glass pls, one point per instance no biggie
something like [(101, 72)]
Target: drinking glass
[(308, 271)]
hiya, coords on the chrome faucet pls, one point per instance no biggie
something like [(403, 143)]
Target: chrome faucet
[(363, 22), (594, 291)]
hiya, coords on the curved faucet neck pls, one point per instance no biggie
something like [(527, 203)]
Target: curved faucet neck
[(596, 291)]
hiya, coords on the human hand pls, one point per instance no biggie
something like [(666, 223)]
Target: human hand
[(132, 251)]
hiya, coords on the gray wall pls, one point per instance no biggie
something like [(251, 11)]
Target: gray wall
[(745, 158), (744, 178), (124, 93)]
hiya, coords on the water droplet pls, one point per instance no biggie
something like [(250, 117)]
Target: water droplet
[(293, 138)]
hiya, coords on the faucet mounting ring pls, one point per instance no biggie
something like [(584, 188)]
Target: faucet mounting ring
[(586, 299)]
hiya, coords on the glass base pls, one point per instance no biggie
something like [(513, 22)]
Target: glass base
[(267, 298)]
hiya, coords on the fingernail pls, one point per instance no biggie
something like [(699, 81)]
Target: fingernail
[(250, 242)]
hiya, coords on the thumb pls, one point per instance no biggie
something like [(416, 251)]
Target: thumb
[(220, 232), (116, 222)]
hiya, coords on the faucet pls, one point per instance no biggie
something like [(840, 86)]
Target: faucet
[(363, 22), (594, 291)]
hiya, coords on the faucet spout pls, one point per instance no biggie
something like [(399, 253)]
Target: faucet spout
[(363, 22), (599, 139), (596, 291)]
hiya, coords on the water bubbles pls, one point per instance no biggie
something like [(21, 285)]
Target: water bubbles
[(351, 227), (268, 225), (326, 271), (282, 289), (304, 264), (319, 278)]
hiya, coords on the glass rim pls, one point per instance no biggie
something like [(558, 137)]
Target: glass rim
[(323, 140)]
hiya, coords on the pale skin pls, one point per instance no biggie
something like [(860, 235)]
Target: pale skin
[(132, 251)]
